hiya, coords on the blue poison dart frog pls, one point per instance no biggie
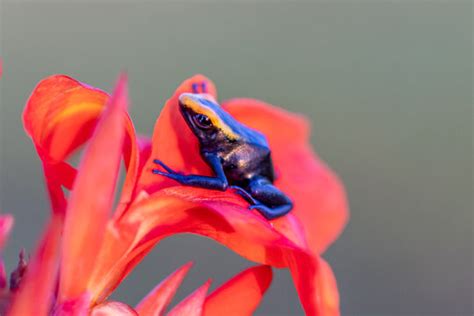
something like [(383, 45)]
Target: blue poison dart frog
[(239, 156)]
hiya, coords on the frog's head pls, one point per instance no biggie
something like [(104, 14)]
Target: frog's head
[(208, 121)]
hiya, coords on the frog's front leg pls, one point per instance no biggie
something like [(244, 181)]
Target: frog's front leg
[(219, 182), (273, 202)]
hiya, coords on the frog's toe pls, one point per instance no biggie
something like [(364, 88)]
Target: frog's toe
[(162, 164), (171, 175), (199, 87)]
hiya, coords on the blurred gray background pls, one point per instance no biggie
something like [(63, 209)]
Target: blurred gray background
[(387, 85)]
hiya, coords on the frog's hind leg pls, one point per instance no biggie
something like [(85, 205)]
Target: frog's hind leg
[(273, 203), (244, 194), (272, 213)]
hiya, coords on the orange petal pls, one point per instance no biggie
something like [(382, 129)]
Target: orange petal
[(173, 141), (91, 199), (327, 290), (35, 294), (113, 309), (193, 304), (319, 197), (241, 295), (61, 115), (139, 150), (222, 216), (159, 298), (6, 224), (53, 174)]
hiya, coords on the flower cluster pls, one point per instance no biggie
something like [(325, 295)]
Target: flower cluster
[(90, 245)]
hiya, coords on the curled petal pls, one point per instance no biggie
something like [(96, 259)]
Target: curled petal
[(173, 141), (113, 309), (159, 298), (91, 199), (241, 295), (193, 304), (319, 197), (34, 297), (60, 116), (221, 216)]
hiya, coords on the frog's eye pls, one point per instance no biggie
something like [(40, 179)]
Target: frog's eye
[(202, 121)]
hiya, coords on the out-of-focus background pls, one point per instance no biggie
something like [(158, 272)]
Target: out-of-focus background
[(386, 84)]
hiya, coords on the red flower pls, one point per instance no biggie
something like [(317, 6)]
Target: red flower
[(82, 227), (99, 250)]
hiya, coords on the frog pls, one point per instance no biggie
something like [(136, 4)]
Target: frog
[(239, 156)]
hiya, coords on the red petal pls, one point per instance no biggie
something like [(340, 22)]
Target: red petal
[(173, 141), (91, 198), (61, 115), (3, 279), (222, 216), (75, 307), (159, 298), (320, 201), (241, 295), (35, 294), (327, 290), (113, 309), (6, 224), (318, 195), (193, 304)]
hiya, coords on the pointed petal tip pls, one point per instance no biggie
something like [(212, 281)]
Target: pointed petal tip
[(6, 223), (187, 266), (241, 295), (113, 308), (160, 297), (92, 196), (193, 304), (122, 79), (120, 92)]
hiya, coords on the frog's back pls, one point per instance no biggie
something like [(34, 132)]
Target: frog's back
[(247, 158)]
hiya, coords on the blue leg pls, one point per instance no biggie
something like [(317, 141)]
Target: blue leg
[(272, 213), (244, 194), (216, 183), (273, 203)]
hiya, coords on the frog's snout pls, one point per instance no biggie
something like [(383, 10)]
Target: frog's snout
[(194, 101)]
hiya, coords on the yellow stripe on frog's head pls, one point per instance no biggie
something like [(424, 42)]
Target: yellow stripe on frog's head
[(205, 104)]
